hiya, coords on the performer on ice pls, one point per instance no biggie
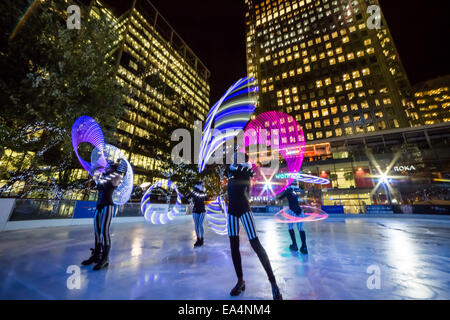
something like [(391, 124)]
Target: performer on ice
[(239, 175), (198, 196), (292, 198), (106, 183)]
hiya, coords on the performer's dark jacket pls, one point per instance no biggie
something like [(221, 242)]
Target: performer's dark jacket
[(239, 189), (292, 200), (199, 197), (105, 189)]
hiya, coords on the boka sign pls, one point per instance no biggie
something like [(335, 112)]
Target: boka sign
[(405, 168)]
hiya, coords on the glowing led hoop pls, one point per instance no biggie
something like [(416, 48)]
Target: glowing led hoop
[(303, 178), (287, 216), (123, 192), (216, 215), (229, 116), (156, 217), (86, 129), (284, 135)]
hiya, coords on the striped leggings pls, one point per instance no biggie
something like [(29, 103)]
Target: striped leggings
[(102, 223), (247, 221), (233, 232), (198, 223)]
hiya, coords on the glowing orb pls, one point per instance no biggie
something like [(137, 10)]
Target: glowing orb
[(160, 215), (123, 192), (303, 178), (86, 129), (216, 215), (310, 214), (228, 117), (282, 135)]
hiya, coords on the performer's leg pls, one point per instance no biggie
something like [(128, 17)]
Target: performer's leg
[(96, 251), (107, 215), (303, 248), (293, 246), (250, 228), (233, 233), (201, 219), (196, 217)]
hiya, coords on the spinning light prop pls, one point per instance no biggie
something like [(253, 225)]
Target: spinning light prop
[(86, 129), (283, 135), (123, 192), (310, 214), (227, 118), (303, 178), (216, 215), (155, 216)]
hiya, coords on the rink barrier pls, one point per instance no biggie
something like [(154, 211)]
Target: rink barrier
[(16, 214)]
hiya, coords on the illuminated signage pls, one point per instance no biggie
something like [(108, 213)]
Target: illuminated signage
[(405, 168)]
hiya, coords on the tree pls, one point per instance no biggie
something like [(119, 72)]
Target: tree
[(50, 76)]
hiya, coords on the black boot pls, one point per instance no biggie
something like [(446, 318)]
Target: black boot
[(95, 256), (197, 243), (303, 249), (104, 260), (201, 242), (276, 292), (238, 288), (293, 246)]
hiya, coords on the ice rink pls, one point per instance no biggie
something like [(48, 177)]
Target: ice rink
[(158, 261)]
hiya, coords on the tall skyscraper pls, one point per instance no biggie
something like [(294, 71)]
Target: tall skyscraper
[(169, 83), (432, 101), (320, 61)]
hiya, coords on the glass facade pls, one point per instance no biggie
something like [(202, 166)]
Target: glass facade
[(432, 101), (169, 84), (318, 61)]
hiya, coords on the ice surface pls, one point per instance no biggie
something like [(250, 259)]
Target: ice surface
[(159, 262)]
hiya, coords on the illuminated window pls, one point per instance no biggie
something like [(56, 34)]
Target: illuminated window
[(319, 83), (360, 54), (338, 88), (358, 84), (327, 81), (341, 58), (310, 136), (350, 56), (349, 130), (319, 135), (307, 116), (346, 119), (348, 86), (345, 77), (332, 61), (315, 114), (307, 69), (336, 121), (367, 42), (299, 71), (338, 132), (344, 108), (308, 125), (366, 71), (333, 110), (345, 39), (355, 74), (324, 112)]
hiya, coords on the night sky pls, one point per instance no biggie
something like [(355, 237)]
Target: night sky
[(215, 31)]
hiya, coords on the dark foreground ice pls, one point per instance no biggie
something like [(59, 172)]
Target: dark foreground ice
[(158, 261)]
